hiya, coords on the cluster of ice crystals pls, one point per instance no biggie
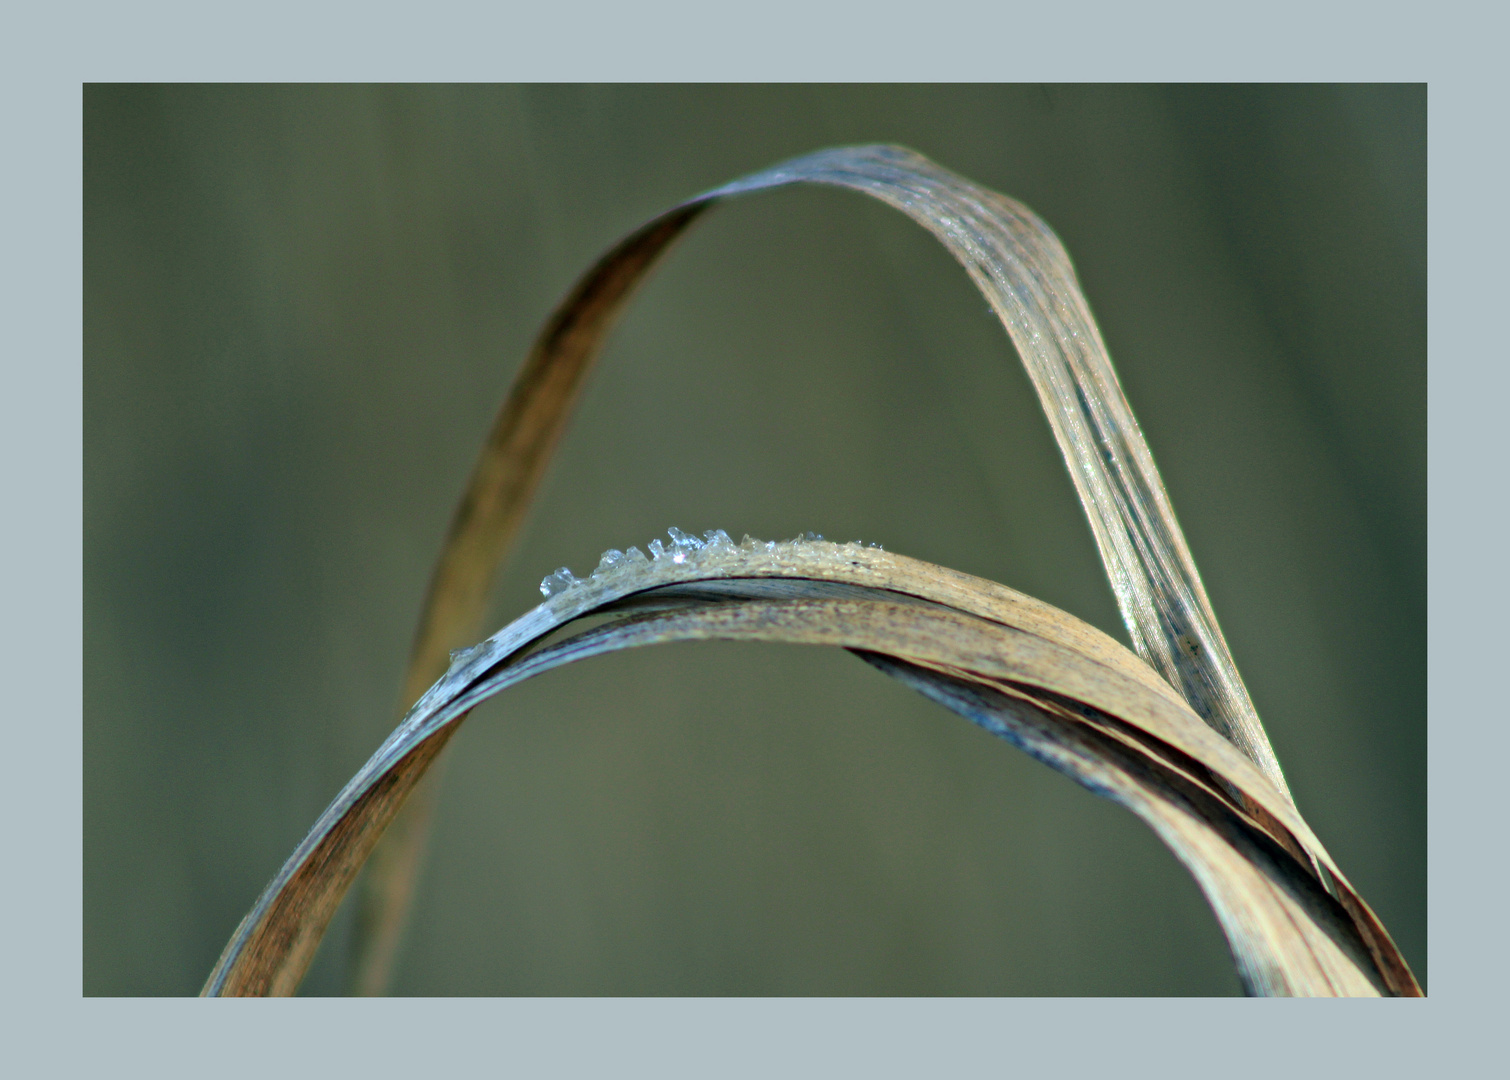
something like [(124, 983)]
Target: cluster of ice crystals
[(558, 582), (682, 547), (613, 558)]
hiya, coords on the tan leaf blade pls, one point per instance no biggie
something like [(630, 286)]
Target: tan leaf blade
[(1024, 272), (1058, 688), (486, 521)]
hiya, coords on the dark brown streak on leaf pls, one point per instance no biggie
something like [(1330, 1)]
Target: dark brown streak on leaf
[(524, 436), (1386, 955), (269, 959), (1281, 856), (1033, 721), (1183, 764), (1240, 818)]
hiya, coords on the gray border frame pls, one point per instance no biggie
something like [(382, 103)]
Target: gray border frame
[(54, 50)]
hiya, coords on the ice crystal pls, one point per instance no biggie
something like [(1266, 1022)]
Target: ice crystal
[(682, 548), (560, 581)]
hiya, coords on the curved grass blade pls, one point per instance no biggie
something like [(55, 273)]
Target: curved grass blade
[(502, 485), (1055, 686), (1023, 270)]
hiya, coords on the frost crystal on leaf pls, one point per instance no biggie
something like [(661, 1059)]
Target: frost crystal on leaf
[(560, 581), (683, 549)]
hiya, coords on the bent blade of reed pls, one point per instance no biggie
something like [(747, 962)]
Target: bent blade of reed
[(1024, 272), (1058, 688)]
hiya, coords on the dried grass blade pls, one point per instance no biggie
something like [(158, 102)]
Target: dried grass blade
[(1288, 936), (1026, 275), (1018, 666), (487, 519)]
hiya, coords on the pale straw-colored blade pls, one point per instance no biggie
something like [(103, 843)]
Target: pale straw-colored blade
[(1024, 272), (1053, 685)]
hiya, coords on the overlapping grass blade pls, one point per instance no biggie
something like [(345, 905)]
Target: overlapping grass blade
[(1024, 272), (1057, 687), (503, 482)]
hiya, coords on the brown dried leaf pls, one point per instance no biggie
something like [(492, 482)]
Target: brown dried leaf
[(1054, 686), (1026, 275)]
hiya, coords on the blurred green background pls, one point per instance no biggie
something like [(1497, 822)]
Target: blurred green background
[(304, 304)]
